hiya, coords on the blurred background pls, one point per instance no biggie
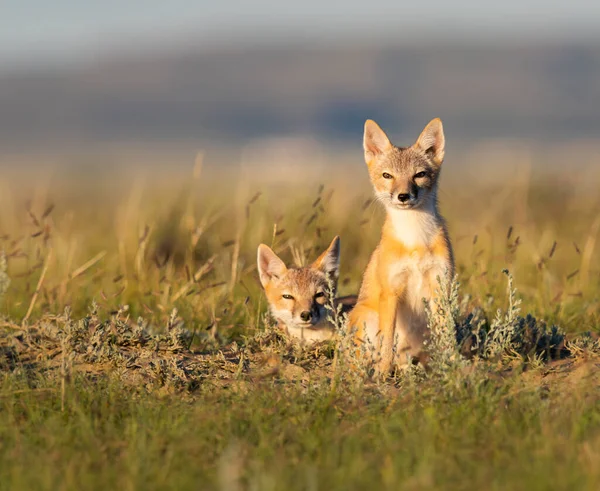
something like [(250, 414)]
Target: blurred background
[(140, 141), (222, 76)]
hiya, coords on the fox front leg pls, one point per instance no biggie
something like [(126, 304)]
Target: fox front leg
[(388, 307)]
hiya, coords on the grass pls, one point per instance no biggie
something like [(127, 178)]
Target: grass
[(187, 387), (273, 437)]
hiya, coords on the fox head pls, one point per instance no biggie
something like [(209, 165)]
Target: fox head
[(297, 296), (405, 178)]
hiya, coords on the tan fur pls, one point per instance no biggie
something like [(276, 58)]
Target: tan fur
[(308, 289), (414, 249)]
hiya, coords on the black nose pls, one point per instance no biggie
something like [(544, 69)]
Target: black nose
[(403, 197), (306, 315)]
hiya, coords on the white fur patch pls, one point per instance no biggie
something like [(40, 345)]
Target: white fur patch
[(319, 332), (414, 227)]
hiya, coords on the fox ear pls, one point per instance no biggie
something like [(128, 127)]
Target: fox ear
[(269, 265), (329, 261), (375, 141), (431, 141)]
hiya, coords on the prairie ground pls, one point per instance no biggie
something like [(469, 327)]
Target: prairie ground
[(136, 353)]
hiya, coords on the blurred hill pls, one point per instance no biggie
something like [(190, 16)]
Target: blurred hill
[(232, 95)]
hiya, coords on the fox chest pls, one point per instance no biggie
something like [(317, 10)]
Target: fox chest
[(415, 276)]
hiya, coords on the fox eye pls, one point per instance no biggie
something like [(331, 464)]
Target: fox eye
[(387, 176), (418, 175), (320, 295), (288, 297)]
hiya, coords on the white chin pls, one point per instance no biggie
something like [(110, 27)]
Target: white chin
[(408, 206), (304, 325)]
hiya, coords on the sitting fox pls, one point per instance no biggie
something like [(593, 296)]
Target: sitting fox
[(298, 296), (414, 249)]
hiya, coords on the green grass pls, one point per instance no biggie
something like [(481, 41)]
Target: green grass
[(276, 436), (173, 404)]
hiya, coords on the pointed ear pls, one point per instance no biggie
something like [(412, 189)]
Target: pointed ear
[(432, 142), (329, 261), (269, 265), (375, 141)]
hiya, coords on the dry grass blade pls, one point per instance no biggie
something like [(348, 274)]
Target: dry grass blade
[(84, 267), (205, 268), (234, 264), (39, 286)]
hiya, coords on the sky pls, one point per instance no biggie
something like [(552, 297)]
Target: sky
[(40, 31)]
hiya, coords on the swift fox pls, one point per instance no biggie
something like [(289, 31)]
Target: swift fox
[(413, 251), (297, 296)]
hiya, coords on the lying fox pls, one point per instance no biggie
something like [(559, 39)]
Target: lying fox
[(413, 251), (298, 296)]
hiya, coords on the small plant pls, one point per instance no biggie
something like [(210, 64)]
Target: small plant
[(348, 364), (584, 343), (508, 335), (444, 321)]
